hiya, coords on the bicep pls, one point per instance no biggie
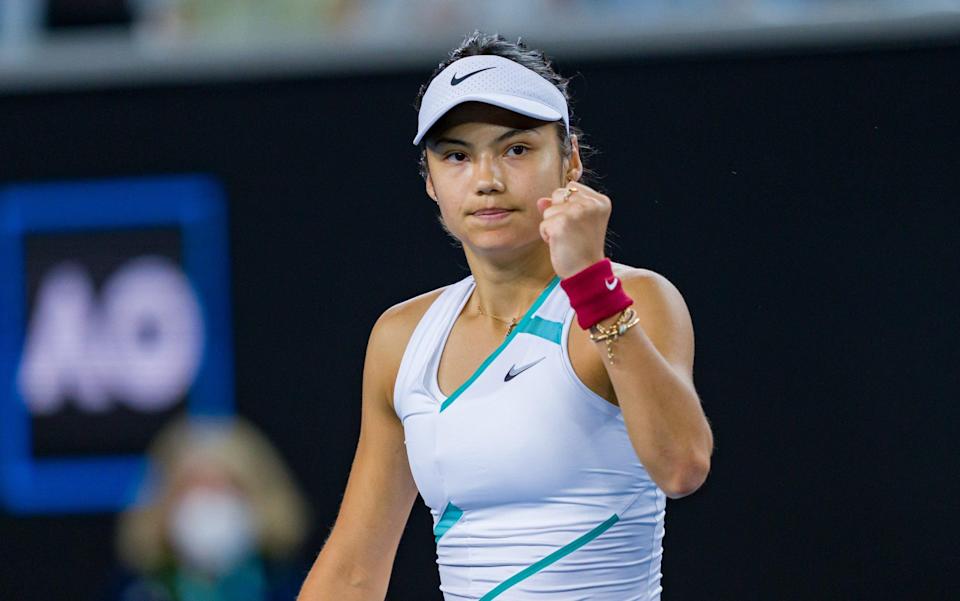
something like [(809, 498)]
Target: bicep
[(665, 319)]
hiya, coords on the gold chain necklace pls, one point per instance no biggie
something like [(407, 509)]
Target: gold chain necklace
[(511, 324)]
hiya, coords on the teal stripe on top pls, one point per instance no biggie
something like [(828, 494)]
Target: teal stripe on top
[(552, 558), (521, 326), (544, 328), (451, 514)]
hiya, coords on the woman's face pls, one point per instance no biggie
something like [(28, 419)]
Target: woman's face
[(487, 167)]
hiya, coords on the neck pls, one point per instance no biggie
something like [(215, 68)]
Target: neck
[(507, 288)]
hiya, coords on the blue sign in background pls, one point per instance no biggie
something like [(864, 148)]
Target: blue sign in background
[(193, 204)]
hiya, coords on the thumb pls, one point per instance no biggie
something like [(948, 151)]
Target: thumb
[(543, 203)]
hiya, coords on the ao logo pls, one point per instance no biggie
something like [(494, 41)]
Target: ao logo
[(139, 343)]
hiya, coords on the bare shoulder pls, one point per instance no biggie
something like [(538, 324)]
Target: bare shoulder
[(393, 329), (395, 326), (640, 279), (388, 340), (624, 271), (663, 314)]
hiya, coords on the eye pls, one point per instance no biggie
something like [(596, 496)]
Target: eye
[(458, 156), (522, 149)]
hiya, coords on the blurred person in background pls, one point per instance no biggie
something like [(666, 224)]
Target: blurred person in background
[(545, 451), (220, 519)]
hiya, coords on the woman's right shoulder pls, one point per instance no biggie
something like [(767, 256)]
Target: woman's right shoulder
[(388, 342), (394, 328)]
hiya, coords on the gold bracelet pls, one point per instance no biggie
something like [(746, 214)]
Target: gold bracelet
[(626, 320)]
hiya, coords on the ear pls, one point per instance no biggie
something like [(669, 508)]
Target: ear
[(431, 192), (574, 167)]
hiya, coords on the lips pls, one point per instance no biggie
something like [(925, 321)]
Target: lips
[(490, 212)]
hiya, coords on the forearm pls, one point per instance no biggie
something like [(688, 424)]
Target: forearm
[(335, 578), (662, 411)]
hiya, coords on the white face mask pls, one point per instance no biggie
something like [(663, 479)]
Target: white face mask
[(212, 530)]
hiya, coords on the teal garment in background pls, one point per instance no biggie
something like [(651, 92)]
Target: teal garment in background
[(255, 579), (247, 582)]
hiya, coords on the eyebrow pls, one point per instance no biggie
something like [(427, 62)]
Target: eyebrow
[(507, 134)]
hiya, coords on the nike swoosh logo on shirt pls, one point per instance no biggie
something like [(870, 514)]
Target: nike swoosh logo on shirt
[(611, 284), (456, 80), (513, 372)]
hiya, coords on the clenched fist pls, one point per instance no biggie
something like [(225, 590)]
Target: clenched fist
[(574, 226)]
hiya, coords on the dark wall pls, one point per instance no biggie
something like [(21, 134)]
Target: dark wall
[(805, 205)]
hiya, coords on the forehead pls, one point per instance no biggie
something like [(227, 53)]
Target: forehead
[(474, 113)]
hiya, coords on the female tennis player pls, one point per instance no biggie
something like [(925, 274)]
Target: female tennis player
[(543, 406)]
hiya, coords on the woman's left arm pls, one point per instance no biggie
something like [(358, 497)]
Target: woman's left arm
[(652, 376), (652, 370)]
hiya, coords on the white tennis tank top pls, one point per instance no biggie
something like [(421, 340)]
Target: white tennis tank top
[(535, 490)]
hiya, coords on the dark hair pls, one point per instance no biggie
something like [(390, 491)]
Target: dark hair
[(479, 43)]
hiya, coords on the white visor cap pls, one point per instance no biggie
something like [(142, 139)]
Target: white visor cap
[(492, 80)]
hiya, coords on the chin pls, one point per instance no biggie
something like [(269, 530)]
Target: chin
[(498, 242)]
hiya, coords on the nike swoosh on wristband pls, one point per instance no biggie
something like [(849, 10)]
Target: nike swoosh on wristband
[(611, 285), (513, 373), (456, 80)]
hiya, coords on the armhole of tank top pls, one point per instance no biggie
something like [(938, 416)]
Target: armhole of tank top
[(592, 397), (409, 355), (432, 375), (410, 351)]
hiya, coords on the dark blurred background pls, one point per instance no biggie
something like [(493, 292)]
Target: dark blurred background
[(795, 174)]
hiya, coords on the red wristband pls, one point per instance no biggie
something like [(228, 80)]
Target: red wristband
[(595, 293)]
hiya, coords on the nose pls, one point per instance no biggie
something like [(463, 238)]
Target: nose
[(487, 177)]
